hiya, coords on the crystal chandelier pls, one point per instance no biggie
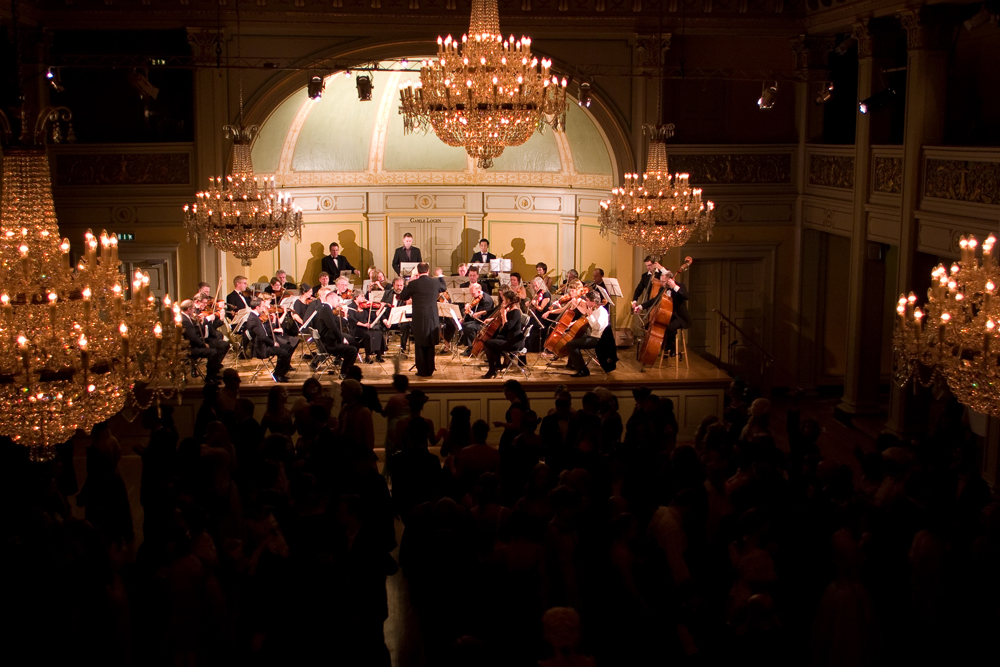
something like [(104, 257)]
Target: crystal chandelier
[(73, 349), (660, 212), (487, 93), (953, 338), (239, 214)]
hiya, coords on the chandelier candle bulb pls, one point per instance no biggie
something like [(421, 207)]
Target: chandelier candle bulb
[(8, 310), (157, 339), (25, 269), (84, 355), (114, 251), (64, 247), (123, 329), (53, 297)]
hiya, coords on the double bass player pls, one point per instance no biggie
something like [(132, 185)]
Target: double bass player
[(678, 294)]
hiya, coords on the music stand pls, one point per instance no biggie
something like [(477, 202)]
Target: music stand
[(240, 319), (500, 266), (614, 288), (376, 295), (400, 314), (406, 268), (504, 279), (453, 282), (479, 267), (460, 295)]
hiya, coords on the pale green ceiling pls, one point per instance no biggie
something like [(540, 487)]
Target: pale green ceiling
[(337, 133)]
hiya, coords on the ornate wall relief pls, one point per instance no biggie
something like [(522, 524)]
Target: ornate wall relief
[(970, 181), (832, 171), (887, 175), (735, 168), (123, 169)]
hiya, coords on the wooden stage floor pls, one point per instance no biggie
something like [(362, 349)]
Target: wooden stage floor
[(457, 373)]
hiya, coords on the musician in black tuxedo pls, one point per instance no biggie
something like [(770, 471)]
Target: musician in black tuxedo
[(194, 333), (483, 254), (474, 315), (508, 337), (641, 292), (406, 253), (393, 298), (235, 301), (335, 263), (678, 294), (331, 331), (423, 291), (267, 342)]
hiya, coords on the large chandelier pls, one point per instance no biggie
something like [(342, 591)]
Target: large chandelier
[(953, 338), (659, 212), (73, 349), (487, 93), (239, 214)]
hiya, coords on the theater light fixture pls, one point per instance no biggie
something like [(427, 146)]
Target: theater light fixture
[(140, 82), (365, 87), (876, 101), (768, 96), (52, 76), (316, 87), (584, 97), (825, 93)]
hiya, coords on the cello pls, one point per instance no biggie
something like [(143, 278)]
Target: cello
[(568, 327), (659, 318)]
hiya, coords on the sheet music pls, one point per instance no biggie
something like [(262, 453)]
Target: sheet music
[(364, 285), (504, 278), (406, 268), (305, 325), (452, 282), (500, 266), (376, 295), (452, 311), (460, 295), (614, 289), (479, 266), (287, 302), (400, 314)]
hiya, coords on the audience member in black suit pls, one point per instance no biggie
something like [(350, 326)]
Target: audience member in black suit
[(335, 263), (483, 254), (474, 315), (405, 253), (266, 343), (424, 291), (194, 333), (392, 297), (508, 337), (676, 292), (331, 332)]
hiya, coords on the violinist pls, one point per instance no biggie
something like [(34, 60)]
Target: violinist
[(598, 286), (323, 281), (597, 321), (571, 276), (281, 275), (239, 298), (204, 290), (676, 292), (542, 271), (275, 289), (201, 348), (510, 334), (393, 299), (537, 308), (376, 281), (475, 312), (298, 310), (344, 290), (367, 325), (268, 341), (473, 275), (517, 287)]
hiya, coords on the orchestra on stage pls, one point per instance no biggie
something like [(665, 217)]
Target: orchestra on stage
[(481, 312)]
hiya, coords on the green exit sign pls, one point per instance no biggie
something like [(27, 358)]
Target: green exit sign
[(126, 237)]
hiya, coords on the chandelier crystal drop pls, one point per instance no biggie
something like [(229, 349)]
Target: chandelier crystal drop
[(486, 92), (73, 349), (240, 214), (952, 338), (659, 212)]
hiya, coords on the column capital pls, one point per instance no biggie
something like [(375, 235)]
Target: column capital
[(811, 51), (875, 36), (646, 50), (206, 43), (927, 27)]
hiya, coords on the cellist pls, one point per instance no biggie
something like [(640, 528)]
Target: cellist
[(510, 334), (678, 294), (597, 321)]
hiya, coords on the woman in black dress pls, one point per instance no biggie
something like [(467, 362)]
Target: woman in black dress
[(537, 307)]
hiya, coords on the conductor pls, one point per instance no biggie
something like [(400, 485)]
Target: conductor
[(424, 328)]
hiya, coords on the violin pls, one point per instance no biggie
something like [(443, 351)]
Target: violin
[(444, 297), (472, 304)]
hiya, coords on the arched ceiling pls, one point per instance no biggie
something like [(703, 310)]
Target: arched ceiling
[(340, 140)]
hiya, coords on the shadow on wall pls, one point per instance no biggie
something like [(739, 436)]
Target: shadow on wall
[(461, 254), (520, 264), (315, 264), (361, 258)]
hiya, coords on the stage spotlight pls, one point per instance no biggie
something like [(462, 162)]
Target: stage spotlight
[(768, 96), (365, 87), (825, 93), (584, 97), (316, 87), (877, 100), (139, 81), (52, 76)]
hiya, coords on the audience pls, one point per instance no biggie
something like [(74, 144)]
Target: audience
[(567, 539)]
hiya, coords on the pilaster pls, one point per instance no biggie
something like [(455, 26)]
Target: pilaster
[(928, 39)]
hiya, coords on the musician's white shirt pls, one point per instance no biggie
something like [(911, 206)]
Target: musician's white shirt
[(598, 321)]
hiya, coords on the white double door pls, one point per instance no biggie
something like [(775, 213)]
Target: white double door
[(439, 239)]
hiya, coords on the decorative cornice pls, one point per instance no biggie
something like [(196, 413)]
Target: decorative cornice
[(832, 171), (971, 181), (735, 168), (113, 169)]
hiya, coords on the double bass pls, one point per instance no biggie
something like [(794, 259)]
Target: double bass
[(659, 318)]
